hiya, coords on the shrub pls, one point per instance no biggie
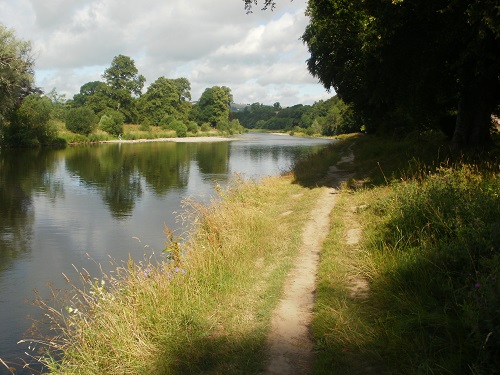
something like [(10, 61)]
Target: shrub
[(81, 120), (112, 122), (166, 121), (192, 126), (223, 126), (30, 125), (205, 127), (179, 127)]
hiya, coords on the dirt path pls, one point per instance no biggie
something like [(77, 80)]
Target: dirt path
[(290, 346)]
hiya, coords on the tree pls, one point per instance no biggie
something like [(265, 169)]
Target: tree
[(214, 105), (112, 122), (166, 97), (124, 83), (81, 120), (59, 104), (123, 75), (30, 123), (410, 62), (96, 95), (16, 71)]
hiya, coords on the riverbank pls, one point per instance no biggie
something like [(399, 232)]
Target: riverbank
[(172, 139), (406, 281)]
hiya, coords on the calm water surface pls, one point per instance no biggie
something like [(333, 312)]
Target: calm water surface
[(89, 204)]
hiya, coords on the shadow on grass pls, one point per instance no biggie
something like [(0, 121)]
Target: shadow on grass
[(219, 355), (377, 160)]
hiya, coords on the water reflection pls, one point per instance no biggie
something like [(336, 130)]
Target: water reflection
[(22, 174)]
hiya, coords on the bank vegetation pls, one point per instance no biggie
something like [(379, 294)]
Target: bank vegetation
[(426, 265)]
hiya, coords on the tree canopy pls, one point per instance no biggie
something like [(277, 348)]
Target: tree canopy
[(411, 63), (16, 71), (166, 97), (123, 75), (214, 105)]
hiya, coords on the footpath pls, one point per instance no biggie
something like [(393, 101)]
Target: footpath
[(290, 346)]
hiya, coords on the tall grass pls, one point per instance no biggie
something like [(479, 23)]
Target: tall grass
[(429, 251), (203, 307), (434, 262)]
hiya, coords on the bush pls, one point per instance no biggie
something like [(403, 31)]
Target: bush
[(81, 120), (30, 125), (205, 127), (166, 121), (179, 127), (192, 127), (112, 122)]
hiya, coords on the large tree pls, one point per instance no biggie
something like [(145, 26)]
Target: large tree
[(401, 62), (166, 97), (30, 124), (214, 105), (123, 75), (96, 95), (16, 71), (125, 84)]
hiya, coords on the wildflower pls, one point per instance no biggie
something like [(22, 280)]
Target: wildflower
[(477, 285)]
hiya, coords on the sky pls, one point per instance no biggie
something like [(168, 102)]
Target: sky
[(259, 56)]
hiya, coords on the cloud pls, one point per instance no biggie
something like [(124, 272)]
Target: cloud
[(259, 56)]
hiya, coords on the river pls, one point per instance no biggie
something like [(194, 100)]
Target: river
[(87, 205)]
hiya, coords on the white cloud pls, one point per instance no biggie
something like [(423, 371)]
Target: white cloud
[(259, 56)]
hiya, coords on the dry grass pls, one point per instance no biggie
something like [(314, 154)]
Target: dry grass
[(203, 307)]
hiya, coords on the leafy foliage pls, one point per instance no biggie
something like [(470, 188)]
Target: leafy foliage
[(30, 123), (81, 120), (16, 71), (96, 95), (166, 97), (123, 75), (214, 105), (112, 122), (410, 64), (330, 117)]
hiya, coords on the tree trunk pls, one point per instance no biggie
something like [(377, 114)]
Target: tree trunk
[(477, 103)]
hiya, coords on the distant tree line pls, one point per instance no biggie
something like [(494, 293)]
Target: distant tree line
[(325, 117), (28, 117)]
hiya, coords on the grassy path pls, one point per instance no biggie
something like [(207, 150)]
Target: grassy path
[(290, 346), (289, 341)]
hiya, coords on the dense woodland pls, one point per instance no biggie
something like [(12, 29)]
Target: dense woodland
[(327, 118)]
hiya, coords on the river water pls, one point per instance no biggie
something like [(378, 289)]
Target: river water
[(86, 205)]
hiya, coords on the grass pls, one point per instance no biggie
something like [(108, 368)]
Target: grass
[(130, 132), (203, 308), (429, 252)]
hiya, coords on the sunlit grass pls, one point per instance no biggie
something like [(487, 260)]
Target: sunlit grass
[(203, 307)]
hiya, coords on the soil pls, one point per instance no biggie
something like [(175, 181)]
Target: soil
[(290, 346)]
